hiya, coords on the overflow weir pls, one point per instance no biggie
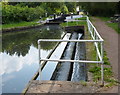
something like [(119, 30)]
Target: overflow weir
[(64, 71), (69, 59)]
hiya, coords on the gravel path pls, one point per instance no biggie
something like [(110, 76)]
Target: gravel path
[(110, 45)]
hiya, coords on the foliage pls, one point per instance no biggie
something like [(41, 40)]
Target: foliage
[(71, 6), (20, 24), (29, 11), (100, 8), (23, 4), (54, 7), (64, 9), (106, 59), (97, 74), (16, 13)]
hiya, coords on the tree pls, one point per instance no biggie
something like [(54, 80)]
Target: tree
[(71, 6), (100, 8), (64, 9)]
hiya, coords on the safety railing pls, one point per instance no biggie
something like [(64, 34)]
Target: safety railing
[(96, 39)]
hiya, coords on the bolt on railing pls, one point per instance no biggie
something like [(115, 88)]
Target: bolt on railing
[(96, 39)]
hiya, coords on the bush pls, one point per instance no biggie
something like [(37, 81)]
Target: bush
[(17, 13), (64, 9)]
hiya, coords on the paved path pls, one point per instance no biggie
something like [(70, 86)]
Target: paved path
[(111, 43)]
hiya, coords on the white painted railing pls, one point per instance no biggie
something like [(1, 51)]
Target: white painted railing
[(96, 39)]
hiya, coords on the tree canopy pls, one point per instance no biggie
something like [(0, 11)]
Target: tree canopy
[(28, 11), (101, 8)]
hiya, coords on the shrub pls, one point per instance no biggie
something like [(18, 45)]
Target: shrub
[(17, 13)]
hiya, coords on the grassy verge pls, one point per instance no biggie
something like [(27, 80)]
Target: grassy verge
[(95, 69), (82, 18), (112, 25), (73, 23), (19, 24)]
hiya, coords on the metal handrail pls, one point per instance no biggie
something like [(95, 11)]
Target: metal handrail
[(89, 22), (59, 40), (96, 38)]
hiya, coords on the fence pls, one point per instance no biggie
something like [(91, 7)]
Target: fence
[(96, 39)]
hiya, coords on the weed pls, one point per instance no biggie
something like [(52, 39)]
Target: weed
[(83, 83)]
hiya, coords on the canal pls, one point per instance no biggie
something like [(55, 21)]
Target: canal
[(20, 55)]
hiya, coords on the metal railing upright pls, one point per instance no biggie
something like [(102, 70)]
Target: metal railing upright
[(96, 39)]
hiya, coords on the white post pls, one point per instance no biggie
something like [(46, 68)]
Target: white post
[(94, 34), (40, 74), (102, 66), (98, 47)]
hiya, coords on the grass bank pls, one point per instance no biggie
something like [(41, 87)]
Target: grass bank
[(20, 24), (73, 23), (110, 24), (95, 69), (82, 18)]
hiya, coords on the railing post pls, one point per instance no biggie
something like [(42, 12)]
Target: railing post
[(94, 34), (102, 65), (88, 25), (98, 47), (40, 73)]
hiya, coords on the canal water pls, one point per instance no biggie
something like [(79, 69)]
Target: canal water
[(20, 55)]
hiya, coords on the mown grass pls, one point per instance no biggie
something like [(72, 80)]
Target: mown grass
[(73, 23), (82, 18), (19, 24), (110, 24)]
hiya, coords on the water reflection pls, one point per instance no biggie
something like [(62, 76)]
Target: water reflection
[(19, 43), (14, 63), (20, 55)]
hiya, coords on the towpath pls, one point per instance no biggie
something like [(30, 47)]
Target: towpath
[(110, 45)]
